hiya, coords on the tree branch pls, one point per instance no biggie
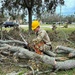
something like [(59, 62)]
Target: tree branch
[(11, 41)]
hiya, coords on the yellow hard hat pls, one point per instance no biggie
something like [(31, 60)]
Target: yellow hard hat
[(35, 24)]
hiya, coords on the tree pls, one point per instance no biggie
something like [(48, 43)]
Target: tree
[(50, 18), (33, 6)]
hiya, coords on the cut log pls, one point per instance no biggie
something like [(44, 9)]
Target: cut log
[(61, 51), (65, 49), (31, 55), (61, 58), (68, 64), (71, 54)]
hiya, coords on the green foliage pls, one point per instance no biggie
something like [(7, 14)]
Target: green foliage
[(22, 72), (66, 30), (67, 72)]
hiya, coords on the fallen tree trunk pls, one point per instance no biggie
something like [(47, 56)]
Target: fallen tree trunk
[(4, 45), (19, 53), (68, 64), (58, 51), (71, 54), (67, 49), (29, 54), (32, 55), (23, 43), (11, 41)]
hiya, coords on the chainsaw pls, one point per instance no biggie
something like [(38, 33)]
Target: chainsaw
[(31, 47)]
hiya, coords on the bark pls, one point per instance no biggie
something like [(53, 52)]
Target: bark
[(32, 55), (1, 60), (30, 18), (20, 42), (5, 53), (61, 51), (3, 48), (4, 45), (65, 49), (71, 54), (68, 64), (11, 41), (25, 53), (19, 51), (68, 50)]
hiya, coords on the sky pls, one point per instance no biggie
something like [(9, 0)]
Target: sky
[(68, 8)]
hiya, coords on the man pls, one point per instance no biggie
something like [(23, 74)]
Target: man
[(42, 36)]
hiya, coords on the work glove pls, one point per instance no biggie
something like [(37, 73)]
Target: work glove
[(34, 41)]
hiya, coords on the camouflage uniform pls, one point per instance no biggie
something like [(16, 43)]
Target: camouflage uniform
[(43, 36)]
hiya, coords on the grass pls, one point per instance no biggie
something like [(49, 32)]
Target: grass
[(67, 72), (5, 69), (67, 30), (63, 32)]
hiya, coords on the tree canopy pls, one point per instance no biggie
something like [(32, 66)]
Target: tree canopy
[(34, 7)]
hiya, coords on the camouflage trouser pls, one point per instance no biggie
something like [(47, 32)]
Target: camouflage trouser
[(44, 47), (47, 47), (47, 50)]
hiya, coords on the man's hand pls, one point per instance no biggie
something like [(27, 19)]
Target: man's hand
[(27, 47)]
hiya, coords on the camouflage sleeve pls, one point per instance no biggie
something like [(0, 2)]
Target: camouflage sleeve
[(39, 37)]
